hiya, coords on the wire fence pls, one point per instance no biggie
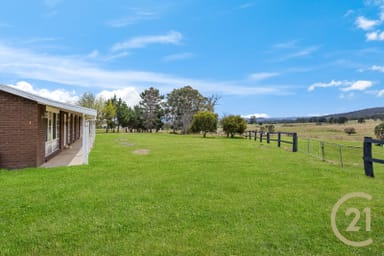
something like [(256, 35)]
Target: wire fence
[(332, 152)]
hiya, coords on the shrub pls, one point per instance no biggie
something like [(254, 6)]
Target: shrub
[(350, 130), (361, 120), (233, 124), (270, 128), (379, 131), (204, 121)]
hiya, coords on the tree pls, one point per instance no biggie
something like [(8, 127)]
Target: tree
[(204, 121), (109, 114), (341, 120), (182, 104), (212, 102), (252, 120), (122, 113), (99, 105), (361, 120), (233, 124), (88, 100), (152, 108), (322, 119), (379, 131)]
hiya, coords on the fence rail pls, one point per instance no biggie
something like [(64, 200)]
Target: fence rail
[(269, 137)]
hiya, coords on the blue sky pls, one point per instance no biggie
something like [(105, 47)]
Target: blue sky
[(266, 57)]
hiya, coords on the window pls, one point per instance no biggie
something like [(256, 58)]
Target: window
[(48, 136)]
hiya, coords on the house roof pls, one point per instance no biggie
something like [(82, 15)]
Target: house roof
[(48, 102)]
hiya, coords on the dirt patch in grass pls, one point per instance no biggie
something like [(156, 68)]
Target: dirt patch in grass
[(141, 152), (125, 142)]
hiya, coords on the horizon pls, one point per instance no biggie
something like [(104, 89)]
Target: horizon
[(276, 59)]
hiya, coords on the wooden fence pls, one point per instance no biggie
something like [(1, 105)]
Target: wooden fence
[(281, 137), (368, 158)]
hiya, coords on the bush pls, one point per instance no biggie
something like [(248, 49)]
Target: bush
[(361, 120), (350, 130), (233, 124), (204, 121), (270, 128), (379, 131)]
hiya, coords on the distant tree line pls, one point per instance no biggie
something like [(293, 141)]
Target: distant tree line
[(337, 119), (184, 109)]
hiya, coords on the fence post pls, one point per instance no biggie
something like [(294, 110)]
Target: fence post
[(341, 155), (322, 150), (268, 137), (261, 136), (278, 139), (255, 135), (368, 164), (294, 142), (250, 134)]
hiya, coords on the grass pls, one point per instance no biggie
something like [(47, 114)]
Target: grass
[(332, 132), (188, 196)]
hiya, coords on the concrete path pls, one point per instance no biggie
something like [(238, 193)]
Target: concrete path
[(67, 157)]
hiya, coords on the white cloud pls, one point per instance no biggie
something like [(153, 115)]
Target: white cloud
[(128, 94), (379, 3), (60, 95), (380, 93), (360, 85), (375, 36), (77, 71), (172, 37), (178, 56), (347, 96), (377, 68), (262, 75), (94, 54), (257, 115), (286, 45), (366, 24), (307, 51), (135, 15), (348, 13), (247, 5), (347, 86), (333, 83), (52, 3)]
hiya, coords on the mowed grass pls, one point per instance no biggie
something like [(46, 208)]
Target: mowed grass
[(188, 196)]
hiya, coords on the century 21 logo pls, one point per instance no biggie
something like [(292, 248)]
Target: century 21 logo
[(353, 226)]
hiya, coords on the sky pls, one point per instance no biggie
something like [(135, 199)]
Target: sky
[(269, 58)]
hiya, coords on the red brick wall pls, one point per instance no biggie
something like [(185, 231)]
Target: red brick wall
[(20, 120)]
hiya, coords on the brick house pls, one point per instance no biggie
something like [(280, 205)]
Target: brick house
[(34, 129)]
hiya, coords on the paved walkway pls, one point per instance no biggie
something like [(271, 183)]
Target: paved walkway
[(67, 157)]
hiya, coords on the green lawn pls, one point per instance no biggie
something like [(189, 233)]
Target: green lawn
[(188, 196)]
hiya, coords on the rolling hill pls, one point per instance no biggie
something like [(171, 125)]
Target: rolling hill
[(364, 113)]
